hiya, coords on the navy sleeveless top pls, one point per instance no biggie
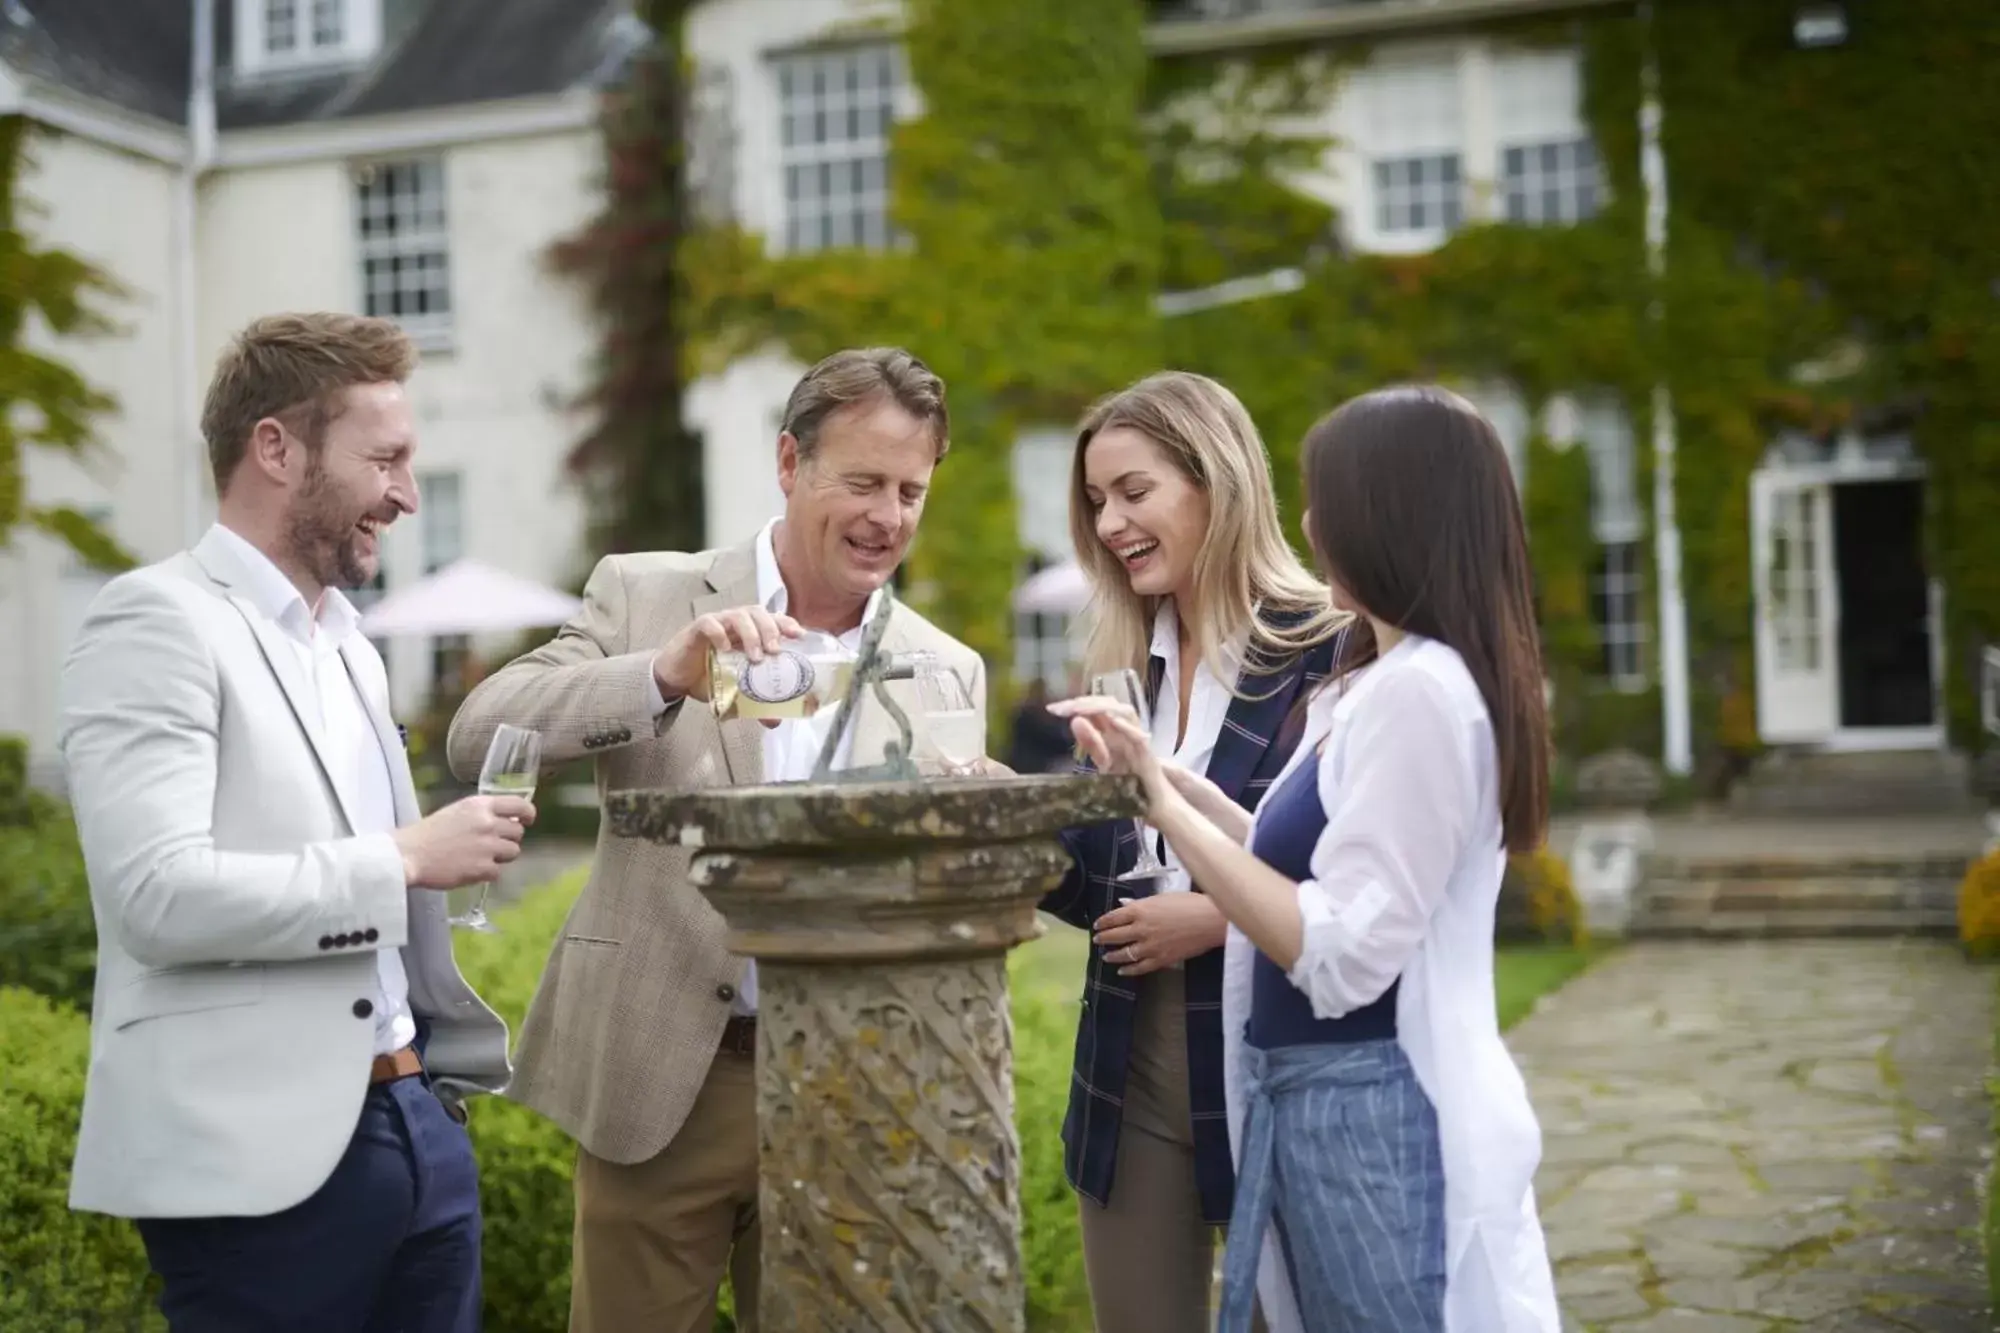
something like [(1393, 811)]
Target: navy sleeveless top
[(1288, 827)]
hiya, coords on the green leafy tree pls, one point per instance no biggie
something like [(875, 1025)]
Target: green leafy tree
[(44, 403)]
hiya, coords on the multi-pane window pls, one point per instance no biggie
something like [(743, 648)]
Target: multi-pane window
[(1618, 604), (441, 520), (1618, 601), (303, 27), (836, 109), (1550, 182), (1797, 520), (1414, 136), (712, 144), (1418, 193), (329, 23), (405, 246)]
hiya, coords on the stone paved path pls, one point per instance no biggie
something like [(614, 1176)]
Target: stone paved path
[(1766, 1135)]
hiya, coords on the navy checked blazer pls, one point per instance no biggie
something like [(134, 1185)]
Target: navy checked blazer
[(1248, 755)]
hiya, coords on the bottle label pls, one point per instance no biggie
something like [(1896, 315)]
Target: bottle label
[(778, 679)]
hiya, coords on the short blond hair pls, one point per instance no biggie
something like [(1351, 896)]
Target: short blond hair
[(866, 375), (294, 367)]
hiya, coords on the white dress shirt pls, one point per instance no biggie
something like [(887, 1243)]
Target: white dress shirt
[(1190, 747), (1404, 882), (791, 749), (344, 735)]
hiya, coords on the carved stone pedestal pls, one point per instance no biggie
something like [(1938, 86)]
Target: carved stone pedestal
[(880, 915)]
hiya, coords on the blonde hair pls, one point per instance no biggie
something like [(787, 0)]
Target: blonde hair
[(294, 367), (1247, 579)]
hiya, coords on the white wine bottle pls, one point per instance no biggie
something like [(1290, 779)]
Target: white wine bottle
[(805, 675)]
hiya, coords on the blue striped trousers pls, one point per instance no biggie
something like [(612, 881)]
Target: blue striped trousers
[(1340, 1147)]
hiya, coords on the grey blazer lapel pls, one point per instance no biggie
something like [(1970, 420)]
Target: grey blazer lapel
[(732, 581)]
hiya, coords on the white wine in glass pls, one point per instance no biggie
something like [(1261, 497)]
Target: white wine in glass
[(513, 764), (1124, 687), (950, 738)]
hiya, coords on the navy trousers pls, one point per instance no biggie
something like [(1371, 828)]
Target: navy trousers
[(389, 1244)]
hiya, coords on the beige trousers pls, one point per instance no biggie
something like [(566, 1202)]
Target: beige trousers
[(653, 1239), (1149, 1256)]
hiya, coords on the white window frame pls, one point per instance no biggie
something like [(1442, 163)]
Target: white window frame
[(1576, 183), (360, 36), (1468, 100), (1618, 524), (1618, 606), (864, 205), (437, 517), (431, 330)]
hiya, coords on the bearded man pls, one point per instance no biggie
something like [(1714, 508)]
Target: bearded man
[(281, 1042)]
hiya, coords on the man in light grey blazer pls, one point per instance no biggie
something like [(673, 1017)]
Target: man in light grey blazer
[(281, 1042), (641, 1038)]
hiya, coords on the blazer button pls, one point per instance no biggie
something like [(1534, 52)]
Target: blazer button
[(725, 992), (326, 941), (371, 935), (363, 1009), (341, 941)]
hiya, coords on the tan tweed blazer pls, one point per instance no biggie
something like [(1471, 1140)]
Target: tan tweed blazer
[(637, 988)]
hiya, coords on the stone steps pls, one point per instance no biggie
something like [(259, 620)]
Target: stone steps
[(1801, 895), (1883, 783)]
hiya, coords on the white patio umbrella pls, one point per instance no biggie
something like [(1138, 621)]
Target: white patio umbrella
[(467, 597), (1059, 590)]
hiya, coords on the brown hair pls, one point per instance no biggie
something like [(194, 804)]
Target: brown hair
[(1247, 579), (295, 368), (1414, 512), (866, 375)]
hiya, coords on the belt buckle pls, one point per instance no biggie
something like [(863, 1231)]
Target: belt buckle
[(739, 1035)]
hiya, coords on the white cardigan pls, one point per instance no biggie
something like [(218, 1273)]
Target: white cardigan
[(1405, 878)]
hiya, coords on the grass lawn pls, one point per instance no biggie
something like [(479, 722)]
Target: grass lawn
[(1525, 973)]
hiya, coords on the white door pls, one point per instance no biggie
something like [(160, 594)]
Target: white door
[(1798, 608)]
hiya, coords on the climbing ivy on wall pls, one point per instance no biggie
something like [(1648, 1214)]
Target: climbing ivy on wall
[(640, 465), (44, 403), (1862, 175), (1057, 177), (1027, 281)]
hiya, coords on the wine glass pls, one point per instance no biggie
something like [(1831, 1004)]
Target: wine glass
[(953, 739), (513, 763), (1125, 688)]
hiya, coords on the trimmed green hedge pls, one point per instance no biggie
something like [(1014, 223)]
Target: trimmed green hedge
[(62, 1271), (525, 1162)]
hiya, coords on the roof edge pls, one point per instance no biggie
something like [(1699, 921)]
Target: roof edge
[(408, 131)]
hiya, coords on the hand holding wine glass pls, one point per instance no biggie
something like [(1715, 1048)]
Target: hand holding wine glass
[(1114, 726), (513, 766)]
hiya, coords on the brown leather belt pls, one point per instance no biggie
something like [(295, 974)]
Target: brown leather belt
[(396, 1064), (739, 1036)]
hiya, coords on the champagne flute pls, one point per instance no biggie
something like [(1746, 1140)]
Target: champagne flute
[(513, 763), (1124, 687), (953, 742)]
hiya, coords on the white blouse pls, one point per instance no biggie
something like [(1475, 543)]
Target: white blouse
[(1194, 745), (1404, 882)]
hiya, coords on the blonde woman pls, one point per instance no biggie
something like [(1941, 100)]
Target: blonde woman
[(1175, 522)]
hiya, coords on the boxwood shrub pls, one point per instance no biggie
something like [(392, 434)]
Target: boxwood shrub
[(62, 1271)]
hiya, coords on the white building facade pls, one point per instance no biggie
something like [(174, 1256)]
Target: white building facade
[(408, 158), (1437, 129)]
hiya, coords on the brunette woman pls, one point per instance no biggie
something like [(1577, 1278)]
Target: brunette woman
[(1384, 1139)]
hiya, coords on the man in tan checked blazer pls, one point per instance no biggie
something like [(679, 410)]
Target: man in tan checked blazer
[(641, 1038)]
